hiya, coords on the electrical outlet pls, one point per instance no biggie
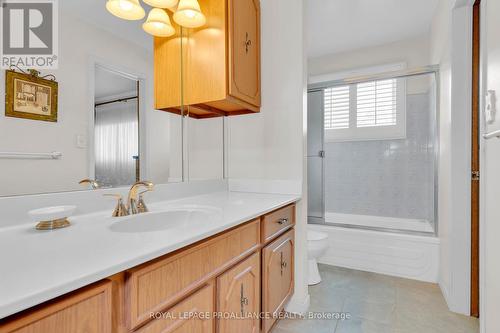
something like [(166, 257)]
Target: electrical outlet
[(81, 141)]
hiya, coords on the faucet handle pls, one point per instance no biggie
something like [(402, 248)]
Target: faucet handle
[(132, 195), (120, 209), (141, 205), (92, 182)]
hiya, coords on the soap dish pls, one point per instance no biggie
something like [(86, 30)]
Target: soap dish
[(50, 218)]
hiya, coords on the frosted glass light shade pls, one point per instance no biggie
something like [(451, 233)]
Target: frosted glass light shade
[(125, 9), (158, 23), (162, 3), (189, 15)]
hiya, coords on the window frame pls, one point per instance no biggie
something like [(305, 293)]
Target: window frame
[(354, 133), (387, 132)]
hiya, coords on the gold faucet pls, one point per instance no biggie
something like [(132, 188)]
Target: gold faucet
[(120, 209), (132, 205), (93, 183)]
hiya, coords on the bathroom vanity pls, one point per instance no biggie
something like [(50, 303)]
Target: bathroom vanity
[(202, 279)]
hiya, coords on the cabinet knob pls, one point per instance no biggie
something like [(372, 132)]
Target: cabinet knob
[(248, 43), (243, 301), (282, 221), (283, 264)]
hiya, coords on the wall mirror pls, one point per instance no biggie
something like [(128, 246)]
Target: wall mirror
[(106, 128)]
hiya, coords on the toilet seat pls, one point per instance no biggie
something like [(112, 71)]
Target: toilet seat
[(316, 235)]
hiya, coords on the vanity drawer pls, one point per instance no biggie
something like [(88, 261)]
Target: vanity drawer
[(187, 316), (88, 308), (276, 222), (157, 285)]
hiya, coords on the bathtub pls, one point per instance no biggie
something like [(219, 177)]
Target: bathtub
[(380, 222), (397, 254)]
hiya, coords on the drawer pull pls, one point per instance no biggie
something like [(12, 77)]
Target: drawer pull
[(282, 221)]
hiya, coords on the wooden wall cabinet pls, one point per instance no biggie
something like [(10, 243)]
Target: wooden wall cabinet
[(241, 272), (215, 69)]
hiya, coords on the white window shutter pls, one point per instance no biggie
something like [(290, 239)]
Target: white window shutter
[(376, 103), (336, 108)]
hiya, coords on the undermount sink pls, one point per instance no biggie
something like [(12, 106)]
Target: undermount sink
[(182, 217)]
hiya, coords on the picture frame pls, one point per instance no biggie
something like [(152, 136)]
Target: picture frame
[(29, 96)]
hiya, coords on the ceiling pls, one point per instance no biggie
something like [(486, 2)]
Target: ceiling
[(109, 84), (94, 12), (334, 26)]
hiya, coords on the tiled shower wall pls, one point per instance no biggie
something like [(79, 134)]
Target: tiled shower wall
[(392, 178)]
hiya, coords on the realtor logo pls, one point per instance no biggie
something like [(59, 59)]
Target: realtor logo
[(29, 34)]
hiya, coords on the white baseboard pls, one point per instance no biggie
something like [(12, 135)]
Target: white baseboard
[(379, 222), (445, 291), (402, 255), (298, 306)]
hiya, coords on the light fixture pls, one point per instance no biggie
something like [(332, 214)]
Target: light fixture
[(162, 3), (126, 9), (158, 23), (189, 15)]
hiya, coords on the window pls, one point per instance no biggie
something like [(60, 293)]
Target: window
[(337, 107), (376, 103), (372, 110)]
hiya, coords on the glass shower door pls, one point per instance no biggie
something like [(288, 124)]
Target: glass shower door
[(315, 157)]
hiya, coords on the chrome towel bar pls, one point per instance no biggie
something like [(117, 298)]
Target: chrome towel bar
[(55, 155)]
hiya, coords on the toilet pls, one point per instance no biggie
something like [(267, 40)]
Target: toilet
[(317, 243)]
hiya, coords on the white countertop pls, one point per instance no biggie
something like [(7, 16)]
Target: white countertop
[(36, 266)]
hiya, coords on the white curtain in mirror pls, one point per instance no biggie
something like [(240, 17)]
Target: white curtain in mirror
[(116, 143)]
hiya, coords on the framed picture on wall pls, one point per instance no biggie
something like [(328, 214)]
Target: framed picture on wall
[(29, 96)]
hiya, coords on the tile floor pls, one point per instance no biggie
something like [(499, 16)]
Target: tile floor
[(377, 304)]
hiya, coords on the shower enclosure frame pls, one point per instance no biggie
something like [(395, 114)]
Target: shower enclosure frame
[(430, 69)]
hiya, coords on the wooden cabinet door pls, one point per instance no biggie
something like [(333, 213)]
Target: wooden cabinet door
[(244, 50), (238, 297), (193, 314), (277, 277), (86, 311)]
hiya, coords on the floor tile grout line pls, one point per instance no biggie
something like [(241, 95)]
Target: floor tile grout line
[(404, 296), (341, 311)]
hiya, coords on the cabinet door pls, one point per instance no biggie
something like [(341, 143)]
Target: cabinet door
[(85, 311), (238, 296), (244, 50), (277, 277), (193, 314)]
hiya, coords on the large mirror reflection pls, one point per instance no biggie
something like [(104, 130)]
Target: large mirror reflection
[(116, 128), (106, 132)]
